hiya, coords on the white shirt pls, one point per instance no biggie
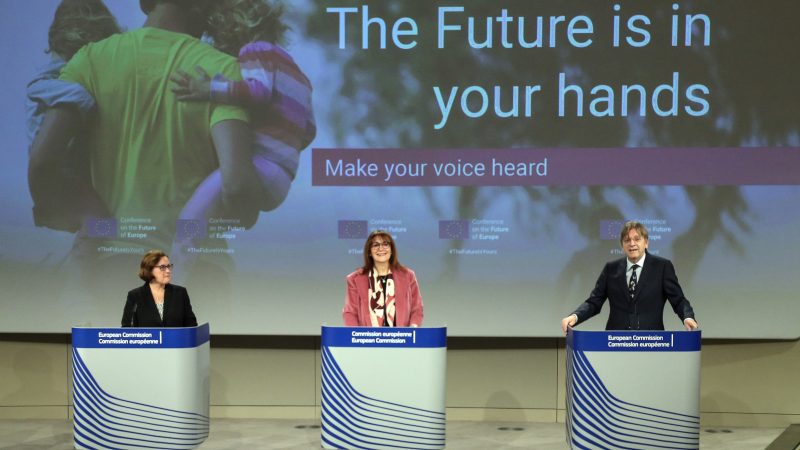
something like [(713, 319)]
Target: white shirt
[(629, 272)]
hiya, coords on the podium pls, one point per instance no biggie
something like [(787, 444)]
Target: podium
[(140, 387), (633, 390), (383, 387)]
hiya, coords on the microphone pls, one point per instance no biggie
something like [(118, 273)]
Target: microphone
[(133, 314)]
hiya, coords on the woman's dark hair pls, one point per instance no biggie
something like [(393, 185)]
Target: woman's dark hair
[(394, 263), (149, 262)]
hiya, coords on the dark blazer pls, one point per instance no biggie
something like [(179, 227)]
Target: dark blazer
[(140, 308), (657, 285)]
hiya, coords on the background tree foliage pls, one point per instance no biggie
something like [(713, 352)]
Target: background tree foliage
[(386, 99)]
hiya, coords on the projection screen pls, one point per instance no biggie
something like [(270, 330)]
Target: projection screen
[(502, 144)]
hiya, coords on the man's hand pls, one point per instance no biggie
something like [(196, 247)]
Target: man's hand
[(189, 88), (690, 324), (568, 322)]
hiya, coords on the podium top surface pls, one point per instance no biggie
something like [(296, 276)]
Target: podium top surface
[(189, 337), (401, 337), (634, 341)]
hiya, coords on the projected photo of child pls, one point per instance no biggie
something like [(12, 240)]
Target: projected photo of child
[(156, 171), (274, 91)]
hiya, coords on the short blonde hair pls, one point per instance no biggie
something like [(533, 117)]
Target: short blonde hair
[(234, 23)]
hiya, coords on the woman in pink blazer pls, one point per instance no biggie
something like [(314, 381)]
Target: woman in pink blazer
[(383, 292)]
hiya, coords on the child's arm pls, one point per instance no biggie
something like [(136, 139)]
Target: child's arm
[(259, 61), (46, 91), (63, 198), (188, 88), (247, 93)]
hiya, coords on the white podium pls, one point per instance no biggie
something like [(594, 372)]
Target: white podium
[(140, 387), (383, 387), (633, 390)]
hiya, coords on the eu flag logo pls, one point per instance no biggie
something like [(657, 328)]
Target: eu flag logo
[(102, 227), (352, 229), (609, 229), (190, 229), (454, 229)]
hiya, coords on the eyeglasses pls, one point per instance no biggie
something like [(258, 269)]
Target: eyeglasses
[(164, 267), (381, 244), (637, 239)]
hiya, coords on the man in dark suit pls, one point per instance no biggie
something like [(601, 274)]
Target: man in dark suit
[(637, 287)]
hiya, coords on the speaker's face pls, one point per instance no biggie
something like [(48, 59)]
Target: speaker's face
[(381, 250), (634, 245), (162, 272)]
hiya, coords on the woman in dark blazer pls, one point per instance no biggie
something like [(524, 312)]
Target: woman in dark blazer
[(157, 303)]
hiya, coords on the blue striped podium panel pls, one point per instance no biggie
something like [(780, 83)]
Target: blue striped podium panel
[(633, 390), (142, 388), (383, 388)]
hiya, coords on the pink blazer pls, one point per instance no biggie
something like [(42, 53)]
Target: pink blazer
[(408, 302)]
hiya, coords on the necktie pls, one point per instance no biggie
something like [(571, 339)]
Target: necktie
[(632, 283)]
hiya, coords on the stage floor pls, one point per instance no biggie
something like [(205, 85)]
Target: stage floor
[(230, 434)]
